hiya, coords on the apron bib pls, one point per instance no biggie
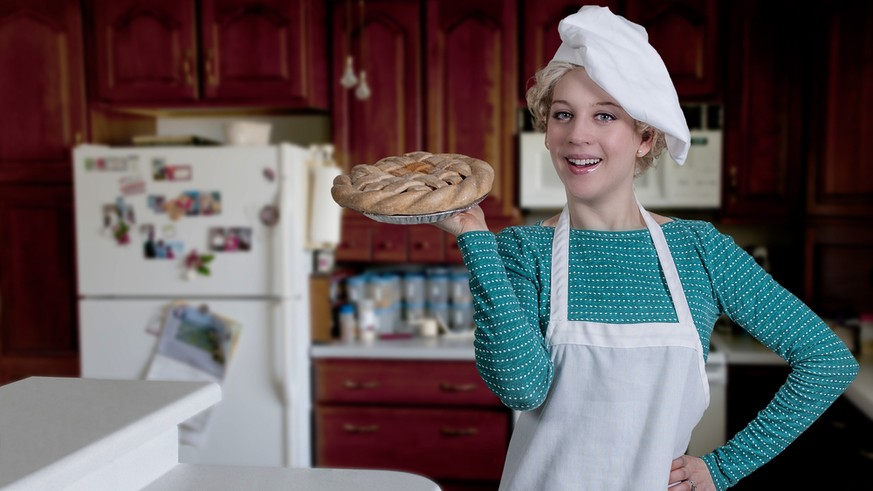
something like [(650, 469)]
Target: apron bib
[(624, 398)]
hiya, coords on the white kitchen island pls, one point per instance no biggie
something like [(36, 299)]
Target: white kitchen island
[(91, 434)]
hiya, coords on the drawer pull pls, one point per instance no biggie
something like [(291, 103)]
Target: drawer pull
[(458, 431), (350, 428), (448, 387), (355, 385)]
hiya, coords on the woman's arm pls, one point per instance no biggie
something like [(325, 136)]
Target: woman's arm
[(511, 355), (821, 365)]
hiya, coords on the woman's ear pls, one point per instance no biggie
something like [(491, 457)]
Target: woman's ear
[(648, 141)]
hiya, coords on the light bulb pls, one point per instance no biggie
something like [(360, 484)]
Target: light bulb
[(349, 79), (363, 90)]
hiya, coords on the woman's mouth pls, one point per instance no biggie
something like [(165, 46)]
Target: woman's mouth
[(583, 166)]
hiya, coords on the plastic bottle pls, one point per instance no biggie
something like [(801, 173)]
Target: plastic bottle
[(347, 322), (367, 324)]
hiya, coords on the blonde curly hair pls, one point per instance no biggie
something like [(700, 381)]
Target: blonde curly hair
[(539, 102)]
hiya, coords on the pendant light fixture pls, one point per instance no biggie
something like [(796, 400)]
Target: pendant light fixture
[(363, 90), (349, 79)]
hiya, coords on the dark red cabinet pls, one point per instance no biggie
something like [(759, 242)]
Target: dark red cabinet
[(41, 89), (43, 101), (258, 52)]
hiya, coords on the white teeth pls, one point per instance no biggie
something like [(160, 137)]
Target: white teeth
[(584, 161)]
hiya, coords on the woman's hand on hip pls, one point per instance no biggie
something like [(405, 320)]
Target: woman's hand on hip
[(468, 221), (691, 474)]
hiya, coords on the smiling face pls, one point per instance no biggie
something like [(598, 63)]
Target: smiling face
[(592, 140)]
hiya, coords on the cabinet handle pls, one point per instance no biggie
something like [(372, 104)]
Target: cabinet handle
[(351, 428), (733, 177), (386, 245), (355, 385), (449, 387), (447, 431), (211, 67), (421, 245)]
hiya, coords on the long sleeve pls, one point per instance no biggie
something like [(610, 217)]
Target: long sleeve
[(511, 355), (821, 365)]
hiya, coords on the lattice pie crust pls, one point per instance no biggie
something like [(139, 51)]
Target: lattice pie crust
[(415, 183)]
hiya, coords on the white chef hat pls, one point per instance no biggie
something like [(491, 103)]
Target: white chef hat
[(618, 57)]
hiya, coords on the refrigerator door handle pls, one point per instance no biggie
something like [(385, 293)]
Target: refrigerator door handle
[(284, 374)]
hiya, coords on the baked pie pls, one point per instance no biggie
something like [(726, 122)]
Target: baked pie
[(415, 183)]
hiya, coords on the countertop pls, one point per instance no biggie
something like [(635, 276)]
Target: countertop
[(739, 349), (234, 478), (416, 348), (83, 434), (57, 431)]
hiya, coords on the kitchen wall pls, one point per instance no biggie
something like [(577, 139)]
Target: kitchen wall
[(303, 129)]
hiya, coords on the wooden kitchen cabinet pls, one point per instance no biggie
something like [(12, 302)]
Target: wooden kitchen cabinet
[(386, 43), (840, 179), (839, 267), (685, 33), (365, 241), (429, 92), (226, 52), (42, 96), (434, 418), (39, 319), (471, 80), (41, 90), (763, 113)]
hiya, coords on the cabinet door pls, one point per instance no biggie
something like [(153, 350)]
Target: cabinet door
[(41, 89), (386, 43), (38, 319), (841, 177), (439, 443), (265, 50), (839, 268), (540, 38), (389, 243), (685, 33), (471, 76), (426, 244), (355, 240), (144, 51), (763, 143)]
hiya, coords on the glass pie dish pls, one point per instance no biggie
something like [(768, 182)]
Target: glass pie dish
[(421, 219)]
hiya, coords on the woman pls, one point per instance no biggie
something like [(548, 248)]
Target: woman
[(596, 322)]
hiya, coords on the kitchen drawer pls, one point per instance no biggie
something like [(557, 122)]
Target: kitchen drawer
[(437, 443), (429, 383)]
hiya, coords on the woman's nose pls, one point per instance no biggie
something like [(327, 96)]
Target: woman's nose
[(579, 132)]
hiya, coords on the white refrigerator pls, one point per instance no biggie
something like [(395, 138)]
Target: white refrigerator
[(222, 230)]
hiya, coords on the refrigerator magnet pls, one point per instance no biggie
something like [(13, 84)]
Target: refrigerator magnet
[(161, 171), (269, 215), (217, 239), (180, 206), (156, 203), (239, 239), (196, 263), (131, 184), (210, 202)]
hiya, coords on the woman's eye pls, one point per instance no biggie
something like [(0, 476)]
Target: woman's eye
[(604, 117), (561, 115)]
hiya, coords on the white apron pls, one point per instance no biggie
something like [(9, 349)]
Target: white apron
[(624, 398)]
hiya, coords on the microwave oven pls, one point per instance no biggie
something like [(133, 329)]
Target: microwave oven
[(667, 185)]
